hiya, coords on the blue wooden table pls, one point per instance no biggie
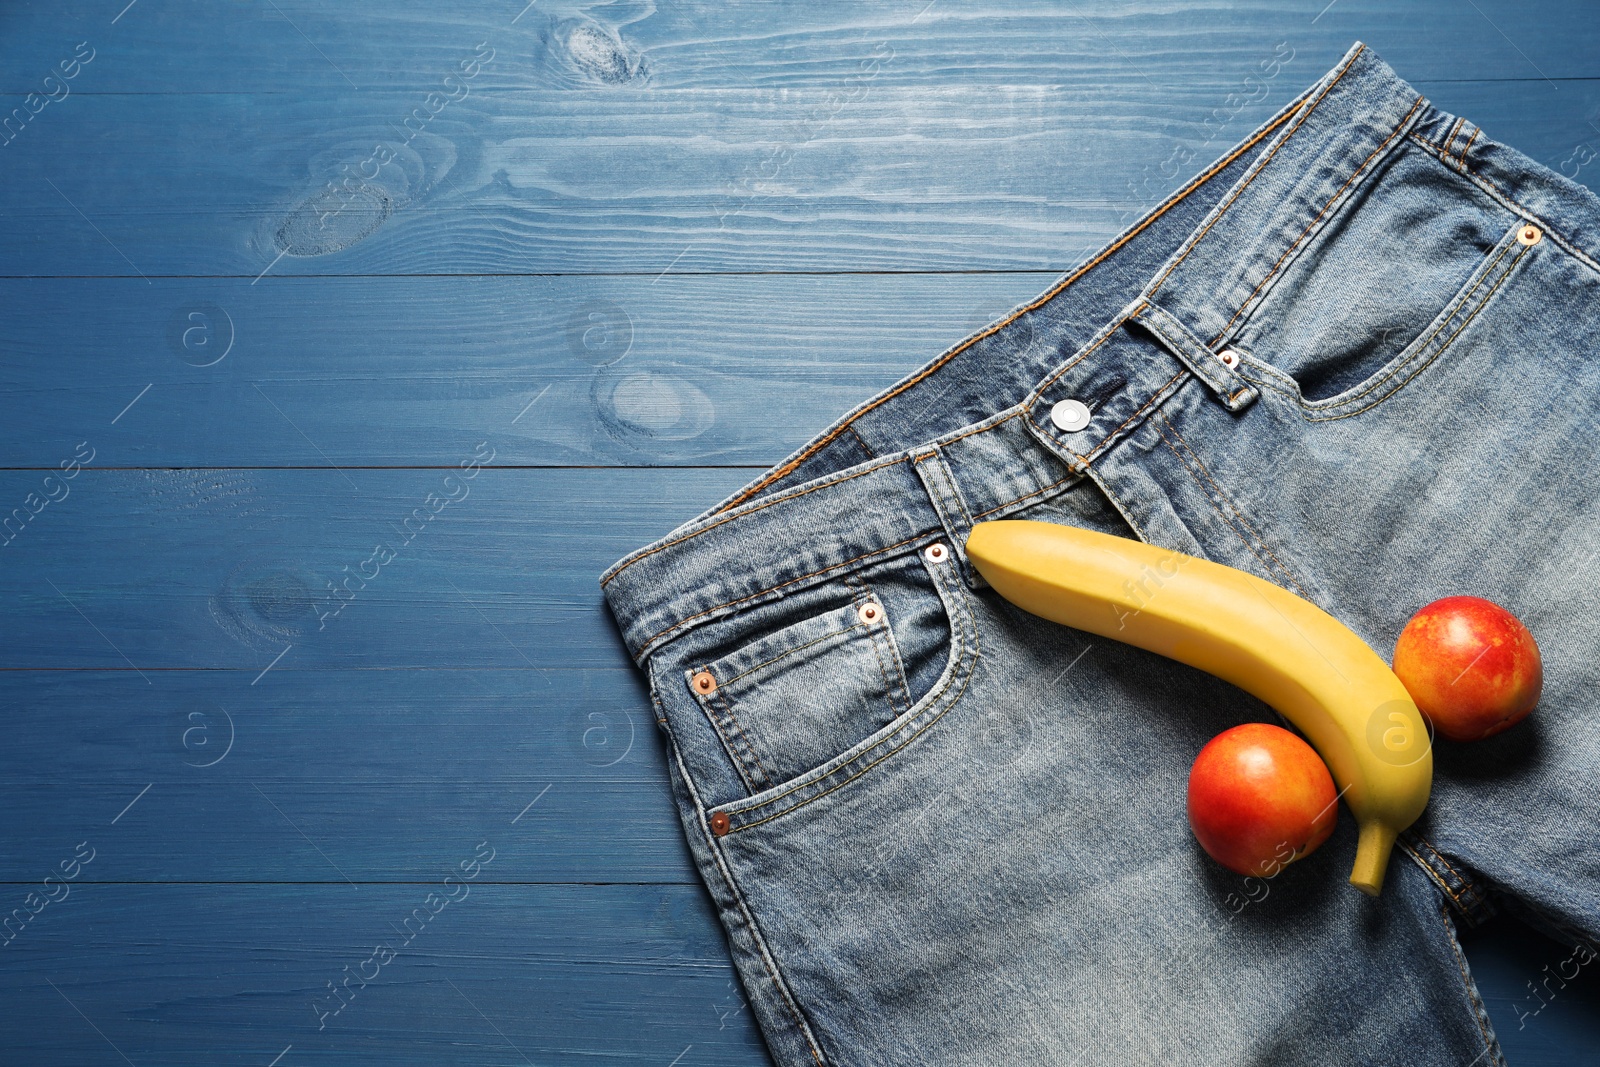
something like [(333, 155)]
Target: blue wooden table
[(343, 345)]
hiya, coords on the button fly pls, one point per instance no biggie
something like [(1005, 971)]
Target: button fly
[(1070, 415)]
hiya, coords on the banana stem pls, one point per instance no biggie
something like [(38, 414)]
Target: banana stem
[(1373, 846)]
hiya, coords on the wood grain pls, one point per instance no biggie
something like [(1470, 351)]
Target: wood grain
[(944, 178), (700, 370), (636, 237), (506, 974), (155, 569), (335, 776)]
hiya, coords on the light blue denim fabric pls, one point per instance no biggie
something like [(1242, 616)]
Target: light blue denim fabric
[(941, 831)]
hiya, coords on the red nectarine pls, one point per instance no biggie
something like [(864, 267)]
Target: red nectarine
[(1470, 665), (1259, 798)]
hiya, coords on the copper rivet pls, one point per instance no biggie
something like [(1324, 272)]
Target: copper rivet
[(870, 612), (936, 553), (1229, 357), (719, 822), (1529, 235), (705, 683)]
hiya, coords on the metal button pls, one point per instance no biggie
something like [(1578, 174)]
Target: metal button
[(719, 823), (869, 613), (1529, 235), (1229, 357), (1070, 415), (936, 553), (704, 683)]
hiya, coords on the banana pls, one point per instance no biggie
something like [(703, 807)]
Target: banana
[(1262, 638)]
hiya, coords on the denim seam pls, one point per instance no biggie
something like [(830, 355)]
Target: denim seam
[(769, 962), (1050, 294), (1454, 130), (1457, 886), (962, 667), (1037, 492), (1121, 509), (864, 595), (762, 592), (1455, 163), (1428, 869), (1442, 348), (1312, 225), (1404, 361), (1467, 885), (748, 764), (825, 484), (1214, 494), (1159, 394), (949, 489), (1462, 155), (1480, 1014), (791, 652), (1261, 165), (857, 435), (1510, 203), (1106, 333)]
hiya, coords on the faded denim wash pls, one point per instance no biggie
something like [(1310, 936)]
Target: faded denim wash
[(941, 831)]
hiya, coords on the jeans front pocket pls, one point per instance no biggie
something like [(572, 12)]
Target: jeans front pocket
[(1381, 290), (788, 701), (798, 694)]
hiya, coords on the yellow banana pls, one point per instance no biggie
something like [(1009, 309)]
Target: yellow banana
[(1262, 638)]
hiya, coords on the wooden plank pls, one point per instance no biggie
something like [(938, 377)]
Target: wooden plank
[(141, 570), (418, 371), (646, 182), (512, 975), (295, 45), (324, 776)]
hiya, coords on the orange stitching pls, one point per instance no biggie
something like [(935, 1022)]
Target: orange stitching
[(864, 446), (1107, 439), (1427, 868), (946, 493), (1194, 241), (794, 496), (872, 636), (740, 600), (1157, 422), (1515, 206), (1448, 141), (1443, 347), (967, 622), (1312, 224), (1024, 496), (1458, 302), (729, 746), (1462, 155), (983, 429), (729, 518), (1108, 334), (739, 740), (1049, 295), (1467, 885), (1461, 965)]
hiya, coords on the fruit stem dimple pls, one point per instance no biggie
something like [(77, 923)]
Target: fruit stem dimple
[(1373, 846)]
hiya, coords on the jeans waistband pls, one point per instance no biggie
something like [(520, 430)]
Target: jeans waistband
[(776, 536)]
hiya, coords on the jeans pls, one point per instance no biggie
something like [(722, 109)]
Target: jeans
[(1356, 357)]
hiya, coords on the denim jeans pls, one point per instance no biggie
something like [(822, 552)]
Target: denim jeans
[(1356, 357)]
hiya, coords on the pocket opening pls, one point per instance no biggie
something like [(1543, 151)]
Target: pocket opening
[(1363, 292)]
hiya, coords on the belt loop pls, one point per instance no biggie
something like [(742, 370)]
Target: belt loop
[(1226, 383), (941, 486)]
